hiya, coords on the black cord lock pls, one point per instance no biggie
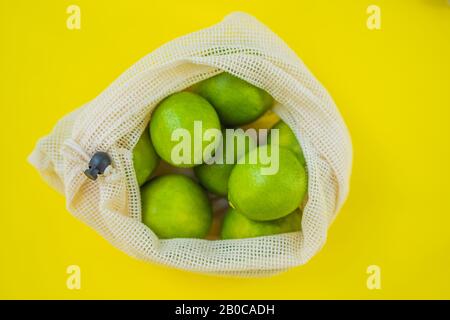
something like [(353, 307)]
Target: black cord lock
[(98, 164)]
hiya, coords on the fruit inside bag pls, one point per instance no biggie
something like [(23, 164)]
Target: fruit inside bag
[(207, 210)]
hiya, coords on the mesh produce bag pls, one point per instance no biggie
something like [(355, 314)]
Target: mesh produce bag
[(114, 121)]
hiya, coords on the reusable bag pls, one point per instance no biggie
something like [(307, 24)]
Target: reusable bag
[(114, 121)]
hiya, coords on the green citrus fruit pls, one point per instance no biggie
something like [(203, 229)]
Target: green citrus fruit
[(145, 159), (214, 176), (265, 197), (237, 226), (183, 111), (174, 206), (288, 140), (236, 101)]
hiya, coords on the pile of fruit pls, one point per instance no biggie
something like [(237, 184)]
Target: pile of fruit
[(175, 205)]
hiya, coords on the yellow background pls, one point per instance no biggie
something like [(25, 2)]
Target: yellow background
[(391, 85)]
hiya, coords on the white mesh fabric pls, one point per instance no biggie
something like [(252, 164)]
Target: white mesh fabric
[(114, 121)]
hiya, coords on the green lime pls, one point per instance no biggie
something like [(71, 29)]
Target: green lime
[(236, 101), (288, 140), (214, 176), (237, 226), (266, 195), (174, 206), (145, 159), (178, 126)]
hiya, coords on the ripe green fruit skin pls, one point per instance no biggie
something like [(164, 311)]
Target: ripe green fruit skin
[(214, 177), (145, 159), (174, 206), (180, 111), (288, 140), (236, 101), (267, 197), (237, 226)]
